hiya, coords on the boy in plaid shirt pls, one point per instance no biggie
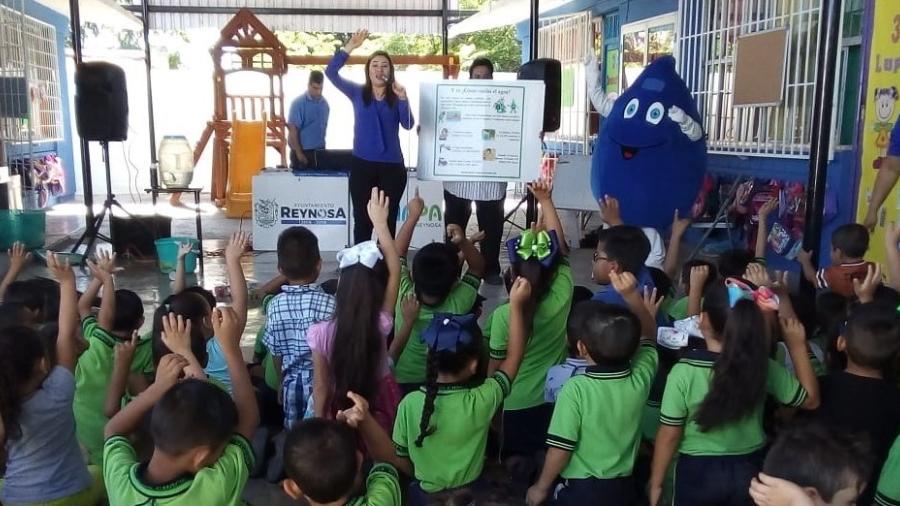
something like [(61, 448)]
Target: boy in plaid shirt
[(300, 304)]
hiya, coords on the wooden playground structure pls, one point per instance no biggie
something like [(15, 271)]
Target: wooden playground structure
[(246, 44)]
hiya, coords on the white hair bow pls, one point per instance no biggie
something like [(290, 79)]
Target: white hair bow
[(366, 253)]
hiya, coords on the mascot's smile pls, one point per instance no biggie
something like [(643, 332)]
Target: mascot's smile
[(630, 151)]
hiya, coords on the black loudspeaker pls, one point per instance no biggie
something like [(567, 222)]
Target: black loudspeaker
[(138, 234), (101, 102), (549, 71)]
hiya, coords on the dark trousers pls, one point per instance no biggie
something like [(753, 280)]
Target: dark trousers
[(525, 430), (490, 221), (312, 159), (617, 491), (715, 480), (365, 175)]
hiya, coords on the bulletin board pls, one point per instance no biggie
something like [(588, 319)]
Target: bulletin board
[(759, 68)]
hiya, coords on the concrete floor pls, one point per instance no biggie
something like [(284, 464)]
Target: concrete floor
[(143, 277)]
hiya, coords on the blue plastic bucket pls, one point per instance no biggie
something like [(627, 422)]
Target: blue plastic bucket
[(167, 252)]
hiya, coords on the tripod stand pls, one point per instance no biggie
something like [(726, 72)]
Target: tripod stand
[(92, 227)]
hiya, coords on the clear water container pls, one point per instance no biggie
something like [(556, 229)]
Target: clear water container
[(176, 162)]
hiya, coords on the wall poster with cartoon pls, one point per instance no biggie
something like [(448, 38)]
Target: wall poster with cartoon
[(882, 107)]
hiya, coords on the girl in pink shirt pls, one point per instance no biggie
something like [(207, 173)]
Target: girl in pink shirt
[(350, 351)]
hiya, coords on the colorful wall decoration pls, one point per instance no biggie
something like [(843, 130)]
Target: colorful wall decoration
[(882, 107)]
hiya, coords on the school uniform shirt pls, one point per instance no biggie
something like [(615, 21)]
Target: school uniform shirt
[(410, 367), (888, 492), (92, 375), (382, 488), (558, 375), (867, 407), (546, 346), (686, 388), (839, 278), (596, 413), (288, 317), (45, 463), (220, 484), (453, 455), (260, 352)]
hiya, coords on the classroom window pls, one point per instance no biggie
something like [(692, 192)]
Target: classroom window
[(30, 105), (644, 42), (570, 39), (709, 32)]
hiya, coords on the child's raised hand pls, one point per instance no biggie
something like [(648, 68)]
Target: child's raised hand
[(170, 370), (416, 205), (769, 491), (124, 352), (542, 189), (477, 237), (865, 289), (60, 268), (520, 291), (378, 207), (184, 248), (237, 245), (104, 264), (767, 208), (651, 301), (680, 225), (793, 332), (781, 284), (410, 308), (176, 334), (757, 274), (804, 256), (699, 275), (18, 256), (610, 212), (356, 415), (455, 234), (226, 326), (624, 283)]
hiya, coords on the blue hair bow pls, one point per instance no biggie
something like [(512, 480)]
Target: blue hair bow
[(447, 332)]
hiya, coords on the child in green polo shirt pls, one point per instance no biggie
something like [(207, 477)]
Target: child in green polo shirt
[(594, 435), (201, 453), (315, 441), (440, 433), (121, 316), (888, 490), (712, 408), (540, 256), (435, 281)]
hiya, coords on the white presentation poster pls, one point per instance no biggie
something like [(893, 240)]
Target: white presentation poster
[(480, 130)]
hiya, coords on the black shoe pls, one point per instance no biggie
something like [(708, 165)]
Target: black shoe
[(493, 279)]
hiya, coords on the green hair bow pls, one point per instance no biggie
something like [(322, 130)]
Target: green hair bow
[(541, 246)]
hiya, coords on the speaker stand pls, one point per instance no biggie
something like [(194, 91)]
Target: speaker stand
[(92, 227)]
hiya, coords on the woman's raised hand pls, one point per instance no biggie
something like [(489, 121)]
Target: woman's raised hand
[(400, 90), (357, 39)]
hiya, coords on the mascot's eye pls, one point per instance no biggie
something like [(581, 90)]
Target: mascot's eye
[(632, 108), (655, 113)]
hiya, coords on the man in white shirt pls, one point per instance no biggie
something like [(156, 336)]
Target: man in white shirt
[(489, 197)]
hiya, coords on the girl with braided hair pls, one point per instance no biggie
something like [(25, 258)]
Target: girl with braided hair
[(441, 431)]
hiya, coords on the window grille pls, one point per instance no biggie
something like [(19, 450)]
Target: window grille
[(708, 32), (570, 39), (30, 104)]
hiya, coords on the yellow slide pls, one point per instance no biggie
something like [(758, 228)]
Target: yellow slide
[(247, 156)]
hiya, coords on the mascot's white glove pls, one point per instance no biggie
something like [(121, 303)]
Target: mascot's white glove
[(602, 103), (687, 124)]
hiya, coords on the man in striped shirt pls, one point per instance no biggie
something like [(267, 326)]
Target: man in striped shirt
[(488, 196)]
